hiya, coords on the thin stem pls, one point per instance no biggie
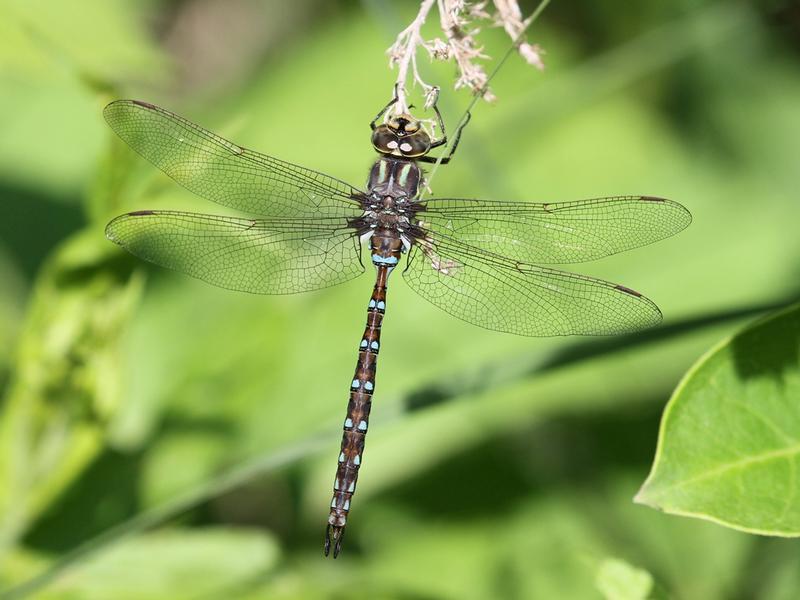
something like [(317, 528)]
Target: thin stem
[(403, 53), (480, 93)]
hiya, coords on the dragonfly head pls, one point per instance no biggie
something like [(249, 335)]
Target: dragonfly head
[(401, 135)]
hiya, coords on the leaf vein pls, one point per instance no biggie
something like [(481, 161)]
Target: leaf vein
[(790, 452)]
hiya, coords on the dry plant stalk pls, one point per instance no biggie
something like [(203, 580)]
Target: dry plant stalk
[(460, 24)]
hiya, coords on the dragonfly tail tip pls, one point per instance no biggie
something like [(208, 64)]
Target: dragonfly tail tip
[(333, 537)]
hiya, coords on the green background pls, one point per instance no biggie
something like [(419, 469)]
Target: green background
[(195, 430)]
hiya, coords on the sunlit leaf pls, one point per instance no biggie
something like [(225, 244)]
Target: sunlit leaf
[(169, 564), (618, 580), (730, 436)]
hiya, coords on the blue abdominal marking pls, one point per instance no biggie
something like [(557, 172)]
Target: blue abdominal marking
[(374, 345), (348, 422), (355, 384), (362, 426), (368, 386), (387, 261), (381, 305)]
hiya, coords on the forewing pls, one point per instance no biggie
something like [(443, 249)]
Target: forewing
[(558, 233), (224, 172), (503, 295), (249, 255)]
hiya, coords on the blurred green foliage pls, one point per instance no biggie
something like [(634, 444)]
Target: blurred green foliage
[(166, 439)]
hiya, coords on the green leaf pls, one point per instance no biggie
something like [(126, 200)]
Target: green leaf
[(730, 435), (617, 580), (170, 564)]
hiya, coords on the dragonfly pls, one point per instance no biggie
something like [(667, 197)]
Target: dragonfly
[(482, 261)]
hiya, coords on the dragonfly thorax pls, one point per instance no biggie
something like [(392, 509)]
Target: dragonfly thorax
[(394, 177)]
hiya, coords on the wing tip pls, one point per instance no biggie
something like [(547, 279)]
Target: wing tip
[(651, 318), (111, 107), (111, 234), (685, 211), (111, 229)]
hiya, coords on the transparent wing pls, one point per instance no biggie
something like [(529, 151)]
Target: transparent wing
[(497, 293), (249, 255), (223, 172), (565, 232)]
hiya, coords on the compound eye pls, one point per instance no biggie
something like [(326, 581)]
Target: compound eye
[(415, 145), (384, 140)]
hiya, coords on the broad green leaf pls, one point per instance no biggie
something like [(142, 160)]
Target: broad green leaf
[(730, 436), (618, 580), (207, 563)]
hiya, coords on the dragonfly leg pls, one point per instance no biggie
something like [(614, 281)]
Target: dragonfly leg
[(391, 103), (443, 140), (456, 138)]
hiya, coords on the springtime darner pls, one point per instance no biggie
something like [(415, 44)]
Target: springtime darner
[(475, 259)]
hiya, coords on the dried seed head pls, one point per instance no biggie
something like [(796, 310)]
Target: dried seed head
[(459, 22)]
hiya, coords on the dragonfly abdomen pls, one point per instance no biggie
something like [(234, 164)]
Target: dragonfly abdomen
[(386, 248)]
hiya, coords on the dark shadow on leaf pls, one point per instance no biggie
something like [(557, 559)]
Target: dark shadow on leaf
[(769, 348)]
